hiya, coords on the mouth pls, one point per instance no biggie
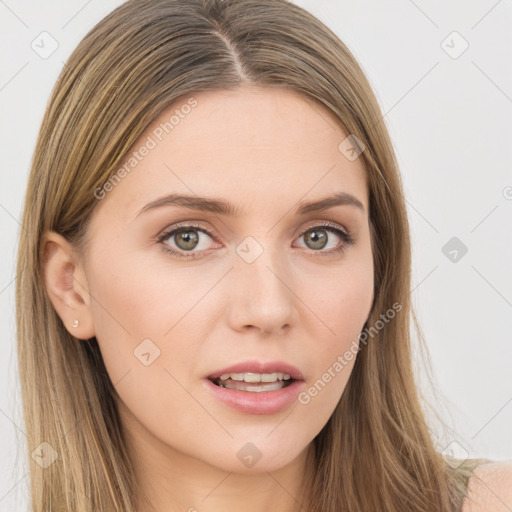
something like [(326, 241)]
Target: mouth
[(253, 382), (256, 388)]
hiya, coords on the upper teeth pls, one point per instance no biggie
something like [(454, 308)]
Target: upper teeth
[(256, 377)]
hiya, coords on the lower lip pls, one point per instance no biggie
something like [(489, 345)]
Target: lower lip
[(257, 402)]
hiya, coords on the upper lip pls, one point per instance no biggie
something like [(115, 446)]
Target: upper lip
[(259, 367)]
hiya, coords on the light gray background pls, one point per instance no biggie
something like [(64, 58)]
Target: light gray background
[(450, 121)]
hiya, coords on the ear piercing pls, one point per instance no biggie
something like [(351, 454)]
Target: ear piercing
[(75, 323)]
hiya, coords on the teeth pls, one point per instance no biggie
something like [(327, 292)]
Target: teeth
[(257, 387), (256, 377)]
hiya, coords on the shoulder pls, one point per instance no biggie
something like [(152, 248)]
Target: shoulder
[(490, 488)]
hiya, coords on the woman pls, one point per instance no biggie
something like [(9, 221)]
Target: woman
[(213, 308)]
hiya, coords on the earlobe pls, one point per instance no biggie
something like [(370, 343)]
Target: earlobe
[(66, 285)]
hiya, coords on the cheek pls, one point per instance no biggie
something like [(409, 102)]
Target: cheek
[(138, 298), (340, 298), (128, 307), (146, 339)]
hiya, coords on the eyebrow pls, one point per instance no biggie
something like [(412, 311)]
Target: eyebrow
[(222, 207)]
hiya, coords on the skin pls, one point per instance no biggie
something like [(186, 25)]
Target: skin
[(265, 150), (490, 488)]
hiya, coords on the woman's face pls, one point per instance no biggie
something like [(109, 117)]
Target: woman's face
[(171, 308)]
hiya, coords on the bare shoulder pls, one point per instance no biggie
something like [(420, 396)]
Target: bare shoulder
[(490, 488)]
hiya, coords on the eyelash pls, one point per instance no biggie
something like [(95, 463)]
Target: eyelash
[(347, 238)]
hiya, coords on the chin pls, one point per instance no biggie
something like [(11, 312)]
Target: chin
[(259, 455)]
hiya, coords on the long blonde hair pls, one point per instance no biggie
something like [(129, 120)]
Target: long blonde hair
[(376, 451)]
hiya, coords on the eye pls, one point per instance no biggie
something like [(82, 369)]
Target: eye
[(317, 238), (185, 238), (182, 239)]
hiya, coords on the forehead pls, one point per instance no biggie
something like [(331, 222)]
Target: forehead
[(261, 146)]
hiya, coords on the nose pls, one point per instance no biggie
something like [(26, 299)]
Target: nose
[(263, 297)]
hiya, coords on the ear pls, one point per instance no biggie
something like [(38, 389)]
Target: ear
[(66, 284)]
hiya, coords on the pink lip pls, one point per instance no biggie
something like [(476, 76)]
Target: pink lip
[(258, 402), (259, 367)]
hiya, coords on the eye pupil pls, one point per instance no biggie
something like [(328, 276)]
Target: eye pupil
[(317, 236)]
